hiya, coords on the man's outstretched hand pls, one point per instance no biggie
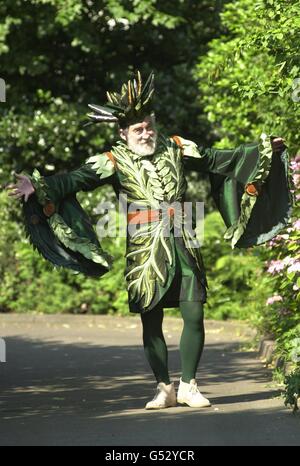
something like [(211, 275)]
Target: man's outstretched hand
[(23, 187), (278, 144)]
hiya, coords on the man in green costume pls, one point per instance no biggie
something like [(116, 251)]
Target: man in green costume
[(251, 186)]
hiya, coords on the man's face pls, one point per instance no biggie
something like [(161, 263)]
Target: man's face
[(141, 137)]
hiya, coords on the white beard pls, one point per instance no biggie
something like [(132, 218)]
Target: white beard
[(144, 148)]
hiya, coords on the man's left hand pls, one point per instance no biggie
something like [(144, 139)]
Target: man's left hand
[(278, 144)]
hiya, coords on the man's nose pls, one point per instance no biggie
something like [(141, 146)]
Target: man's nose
[(146, 133)]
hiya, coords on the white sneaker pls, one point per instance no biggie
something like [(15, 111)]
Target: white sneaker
[(165, 397), (189, 393)]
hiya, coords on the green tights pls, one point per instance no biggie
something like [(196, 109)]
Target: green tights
[(191, 342)]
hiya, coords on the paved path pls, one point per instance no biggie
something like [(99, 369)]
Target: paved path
[(83, 380)]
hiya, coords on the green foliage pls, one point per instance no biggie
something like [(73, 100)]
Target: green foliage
[(282, 266), (57, 56), (249, 83), (279, 317), (247, 78), (232, 275), (292, 389), (288, 345)]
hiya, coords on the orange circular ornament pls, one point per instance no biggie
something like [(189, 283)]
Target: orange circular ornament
[(49, 209), (34, 219), (251, 189)]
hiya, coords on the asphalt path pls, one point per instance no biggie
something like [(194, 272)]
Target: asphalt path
[(84, 380)]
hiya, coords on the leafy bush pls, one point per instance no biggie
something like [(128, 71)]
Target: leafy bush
[(247, 79), (282, 266), (249, 83), (232, 274), (58, 56), (292, 389), (279, 318)]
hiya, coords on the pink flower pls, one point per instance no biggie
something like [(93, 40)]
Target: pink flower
[(273, 299), (280, 237), (296, 225), (295, 165), (273, 243), (297, 158), (295, 267), (296, 179), (276, 266)]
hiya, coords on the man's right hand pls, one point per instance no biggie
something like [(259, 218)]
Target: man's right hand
[(23, 187)]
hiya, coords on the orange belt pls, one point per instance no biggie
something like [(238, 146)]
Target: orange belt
[(146, 216)]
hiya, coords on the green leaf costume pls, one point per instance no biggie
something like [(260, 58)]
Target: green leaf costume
[(160, 268), (251, 186)]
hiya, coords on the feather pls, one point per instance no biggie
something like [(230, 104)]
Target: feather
[(109, 97), (129, 93), (102, 117), (139, 82), (135, 88), (129, 104), (101, 110), (148, 87)]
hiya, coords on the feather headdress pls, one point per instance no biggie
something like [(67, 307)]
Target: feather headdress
[(130, 106)]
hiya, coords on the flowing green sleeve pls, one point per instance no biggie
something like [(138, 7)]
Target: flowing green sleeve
[(251, 186), (57, 225)]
